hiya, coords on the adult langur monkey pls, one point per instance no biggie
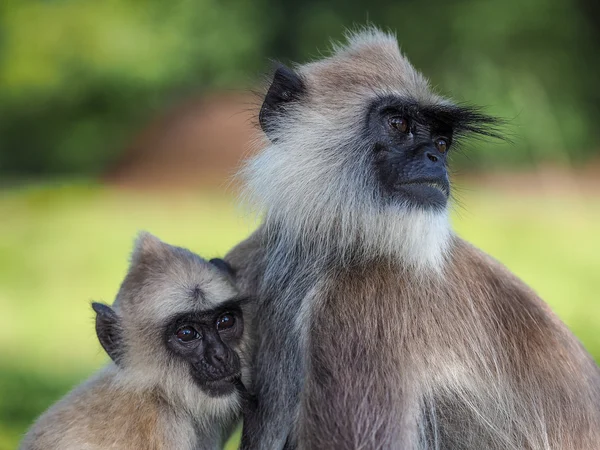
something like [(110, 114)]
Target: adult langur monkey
[(378, 327)]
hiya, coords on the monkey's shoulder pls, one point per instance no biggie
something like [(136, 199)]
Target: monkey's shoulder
[(99, 414), (473, 274), (476, 290), (509, 303)]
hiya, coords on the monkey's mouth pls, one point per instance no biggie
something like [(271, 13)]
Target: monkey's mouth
[(221, 386), (413, 188), (423, 193), (431, 184)]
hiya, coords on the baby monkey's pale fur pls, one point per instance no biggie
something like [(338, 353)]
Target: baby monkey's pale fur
[(148, 400)]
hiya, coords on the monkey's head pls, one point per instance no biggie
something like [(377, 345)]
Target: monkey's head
[(177, 323), (357, 152)]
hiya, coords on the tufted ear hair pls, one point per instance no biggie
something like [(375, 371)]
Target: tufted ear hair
[(286, 87), (108, 330), (148, 247)]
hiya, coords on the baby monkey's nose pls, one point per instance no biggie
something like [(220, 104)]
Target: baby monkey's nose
[(218, 356)]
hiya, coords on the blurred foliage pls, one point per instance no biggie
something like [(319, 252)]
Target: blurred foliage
[(63, 246), (78, 77)]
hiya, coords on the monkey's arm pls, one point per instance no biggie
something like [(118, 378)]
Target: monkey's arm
[(270, 415), (269, 420)]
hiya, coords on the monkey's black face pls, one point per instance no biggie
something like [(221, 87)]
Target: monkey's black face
[(207, 342), (410, 144), (407, 140)]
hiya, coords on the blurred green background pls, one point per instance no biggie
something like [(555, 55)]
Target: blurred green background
[(117, 116)]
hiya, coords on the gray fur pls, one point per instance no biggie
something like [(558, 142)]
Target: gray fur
[(377, 327), (148, 400)]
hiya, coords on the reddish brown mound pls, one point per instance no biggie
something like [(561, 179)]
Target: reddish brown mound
[(198, 143)]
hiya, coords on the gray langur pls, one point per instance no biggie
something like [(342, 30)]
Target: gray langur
[(377, 326), (175, 334)]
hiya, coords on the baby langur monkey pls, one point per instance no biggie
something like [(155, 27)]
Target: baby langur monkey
[(175, 334)]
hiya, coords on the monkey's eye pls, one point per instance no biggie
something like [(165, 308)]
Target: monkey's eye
[(225, 321), (399, 123), (187, 334), (442, 145)]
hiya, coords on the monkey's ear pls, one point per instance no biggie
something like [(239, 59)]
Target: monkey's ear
[(108, 330), (287, 87), (223, 265)]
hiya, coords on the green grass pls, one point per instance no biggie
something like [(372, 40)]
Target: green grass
[(63, 246)]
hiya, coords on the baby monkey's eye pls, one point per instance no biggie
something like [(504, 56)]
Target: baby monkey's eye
[(187, 334), (225, 321), (399, 123)]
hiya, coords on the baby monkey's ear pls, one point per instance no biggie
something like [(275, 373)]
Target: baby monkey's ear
[(223, 265), (108, 330)]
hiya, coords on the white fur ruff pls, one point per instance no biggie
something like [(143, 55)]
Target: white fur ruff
[(327, 200)]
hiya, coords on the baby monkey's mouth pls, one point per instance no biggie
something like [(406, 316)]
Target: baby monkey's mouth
[(226, 379), (222, 386)]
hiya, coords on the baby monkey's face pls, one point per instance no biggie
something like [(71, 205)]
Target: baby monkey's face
[(176, 317), (208, 342)]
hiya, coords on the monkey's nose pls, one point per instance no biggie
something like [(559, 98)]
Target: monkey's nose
[(432, 157), (217, 356)]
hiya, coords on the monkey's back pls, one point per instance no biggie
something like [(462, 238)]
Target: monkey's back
[(100, 415), (472, 359)]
